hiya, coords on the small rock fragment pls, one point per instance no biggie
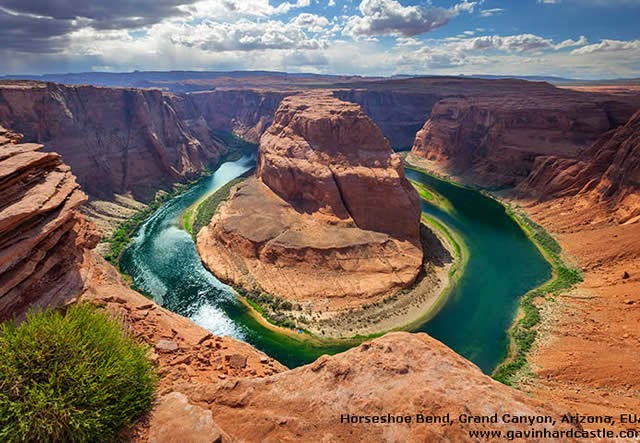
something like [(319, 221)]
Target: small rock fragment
[(166, 346), (238, 361)]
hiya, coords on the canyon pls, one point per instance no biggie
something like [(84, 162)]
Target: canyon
[(211, 385), (569, 159)]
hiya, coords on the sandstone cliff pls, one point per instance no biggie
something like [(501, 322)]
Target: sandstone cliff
[(116, 140), (330, 218), (497, 140), (43, 237), (608, 172)]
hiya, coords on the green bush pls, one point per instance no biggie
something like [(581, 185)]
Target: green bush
[(71, 377)]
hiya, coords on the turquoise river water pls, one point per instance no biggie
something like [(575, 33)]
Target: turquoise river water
[(503, 264)]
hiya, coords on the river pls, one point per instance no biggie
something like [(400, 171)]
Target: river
[(503, 265)]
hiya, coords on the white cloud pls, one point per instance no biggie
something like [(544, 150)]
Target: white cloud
[(389, 17), (512, 43), (609, 46), (491, 12), (311, 22), (243, 35), (571, 43)]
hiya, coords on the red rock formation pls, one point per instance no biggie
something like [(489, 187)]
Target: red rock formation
[(325, 155), (607, 172), (331, 216), (116, 140), (43, 237), (497, 141), (400, 374)]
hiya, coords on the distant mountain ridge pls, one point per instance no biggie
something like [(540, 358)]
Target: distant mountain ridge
[(188, 81)]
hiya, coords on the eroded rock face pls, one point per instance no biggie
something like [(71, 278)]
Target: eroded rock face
[(330, 215), (43, 237), (398, 374), (116, 140), (497, 141), (325, 155), (607, 172)]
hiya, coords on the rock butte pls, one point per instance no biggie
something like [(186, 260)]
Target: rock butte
[(330, 215), (216, 388)]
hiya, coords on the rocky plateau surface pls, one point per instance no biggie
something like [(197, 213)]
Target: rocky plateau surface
[(398, 374), (330, 217)]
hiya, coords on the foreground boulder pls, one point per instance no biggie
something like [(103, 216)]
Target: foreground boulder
[(400, 374), (330, 216)]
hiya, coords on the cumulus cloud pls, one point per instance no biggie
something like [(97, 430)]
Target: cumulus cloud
[(571, 43), (243, 35), (512, 43), (466, 50), (311, 22), (389, 17), (609, 46)]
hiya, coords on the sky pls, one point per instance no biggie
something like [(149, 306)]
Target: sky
[(586, 39)]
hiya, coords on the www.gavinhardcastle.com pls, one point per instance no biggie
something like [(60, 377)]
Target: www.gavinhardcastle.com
[(593, 426)]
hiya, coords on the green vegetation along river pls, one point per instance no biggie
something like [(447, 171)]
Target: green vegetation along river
[(503, 264)]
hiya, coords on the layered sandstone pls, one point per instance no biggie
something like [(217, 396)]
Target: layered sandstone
[(116, 140), (607, 173), (330, 216), (498, 140), (400, 374), (43, 236)]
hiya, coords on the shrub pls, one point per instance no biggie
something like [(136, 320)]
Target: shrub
[(72, 377)]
